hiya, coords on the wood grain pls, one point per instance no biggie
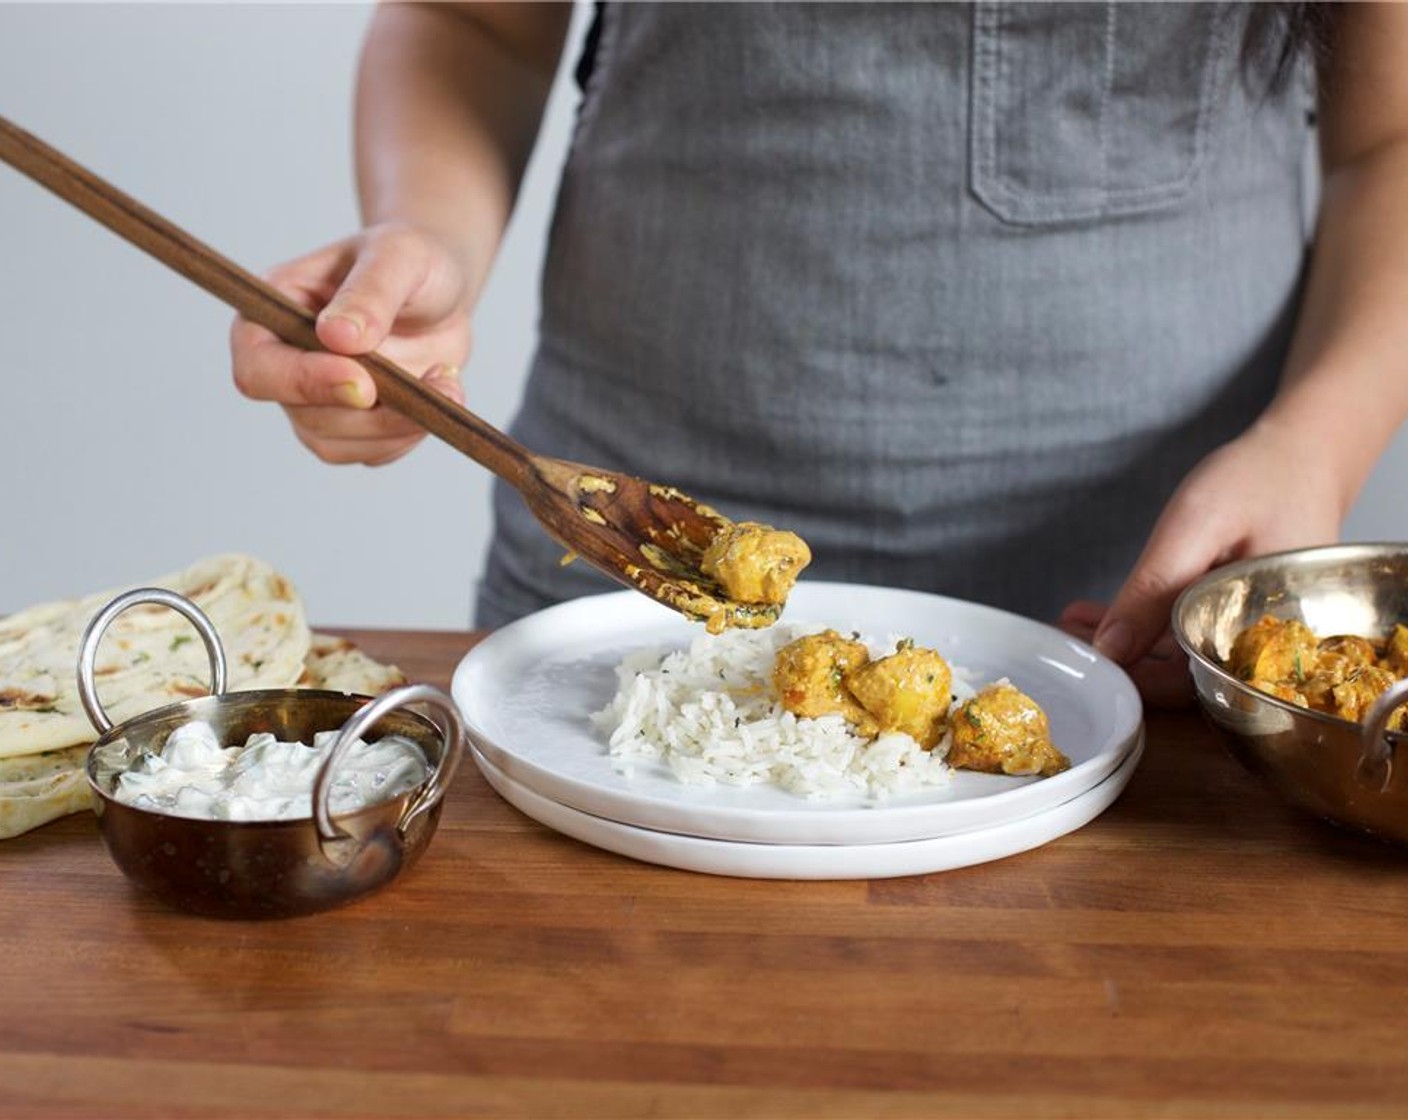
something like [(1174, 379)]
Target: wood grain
[(1199, 950)]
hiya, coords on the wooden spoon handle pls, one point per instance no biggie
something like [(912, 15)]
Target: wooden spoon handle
[(253, 298)]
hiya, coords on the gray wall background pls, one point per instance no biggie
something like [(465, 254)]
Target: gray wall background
[(124, 448)]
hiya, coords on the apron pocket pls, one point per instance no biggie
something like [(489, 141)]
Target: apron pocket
[(1088, 111)]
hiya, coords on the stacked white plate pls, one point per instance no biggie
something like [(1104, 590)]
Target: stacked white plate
[(528, 692)]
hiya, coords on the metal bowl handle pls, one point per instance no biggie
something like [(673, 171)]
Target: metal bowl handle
[(93, 635), (1376, 758), (329, 831)]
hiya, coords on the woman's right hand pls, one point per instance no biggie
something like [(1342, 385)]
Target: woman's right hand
[(391, 288)]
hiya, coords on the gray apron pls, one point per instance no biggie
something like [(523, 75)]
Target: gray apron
[(959, 293)]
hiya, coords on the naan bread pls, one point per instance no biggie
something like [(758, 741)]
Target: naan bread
[(27, 805), (25, 769), (336, 664), (150, 656)]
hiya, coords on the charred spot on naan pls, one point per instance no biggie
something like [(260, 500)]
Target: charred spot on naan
[(19, 700)]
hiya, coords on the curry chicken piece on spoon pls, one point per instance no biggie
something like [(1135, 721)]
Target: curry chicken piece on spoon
[(755, 563)]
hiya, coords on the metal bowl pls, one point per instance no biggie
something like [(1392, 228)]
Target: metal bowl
[(276, 868), (1351, 774)]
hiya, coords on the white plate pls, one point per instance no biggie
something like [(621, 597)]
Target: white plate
[(816, 861), (528, 691)]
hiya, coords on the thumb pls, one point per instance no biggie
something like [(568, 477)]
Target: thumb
[(1140, 612), (396, 272)]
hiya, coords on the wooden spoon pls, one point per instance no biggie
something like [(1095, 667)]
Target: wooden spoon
[(648, 536)]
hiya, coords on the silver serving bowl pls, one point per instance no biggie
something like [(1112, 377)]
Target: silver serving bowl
[(266, 868), (1355, 775)]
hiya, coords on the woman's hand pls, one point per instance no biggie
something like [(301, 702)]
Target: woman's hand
[(449, 98), (393, 289), (1288, 482), (1268, 490)]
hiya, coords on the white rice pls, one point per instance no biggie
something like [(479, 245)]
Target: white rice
[(710, 714)]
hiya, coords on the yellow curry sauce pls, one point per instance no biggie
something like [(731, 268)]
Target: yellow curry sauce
[(1341, 675), (1001, 730)]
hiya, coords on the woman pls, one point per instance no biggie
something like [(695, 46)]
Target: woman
[(1010, 302)]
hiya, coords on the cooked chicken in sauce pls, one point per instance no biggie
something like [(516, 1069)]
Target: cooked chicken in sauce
[(1334, 661), (810, 678), (1273, 650), (910, 691), (1002, 730), (755, 563), (1341, 675), (907, 691), (1355, 695), (1396, 655)]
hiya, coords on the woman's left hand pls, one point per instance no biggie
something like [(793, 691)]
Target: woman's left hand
[(1266, 491)]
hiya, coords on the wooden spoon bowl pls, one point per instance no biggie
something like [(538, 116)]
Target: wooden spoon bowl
[(649, 536)]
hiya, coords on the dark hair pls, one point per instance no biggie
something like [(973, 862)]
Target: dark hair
[(1279, 35)]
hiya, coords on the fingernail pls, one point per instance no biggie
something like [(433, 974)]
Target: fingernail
[(1115, 640), (332, 313), (349, 393)]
